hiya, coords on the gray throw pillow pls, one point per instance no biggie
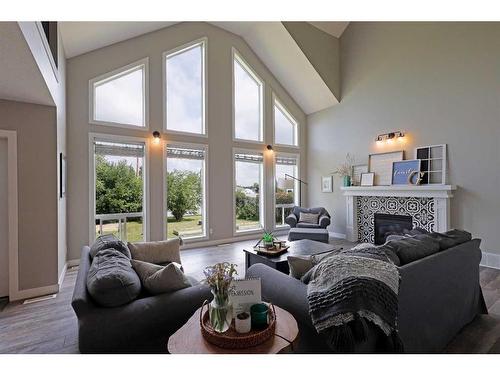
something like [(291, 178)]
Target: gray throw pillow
[(158, 279), (451, 238), (299, 265), (412, 248), (306, 217), (109, 241), (158, 252), (111, 281)]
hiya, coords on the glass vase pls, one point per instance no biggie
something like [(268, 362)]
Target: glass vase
[(220, 312), (347, 180)]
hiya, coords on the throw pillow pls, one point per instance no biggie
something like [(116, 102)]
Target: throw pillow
[(109, 241), (309, 218), (111, 281), (158, 279), (156, 252), (451, 238), (412, 248), (299, 265)]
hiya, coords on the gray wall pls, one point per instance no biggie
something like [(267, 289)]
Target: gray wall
[(37, 190), (82, 68), (440, 82), (321, 49)]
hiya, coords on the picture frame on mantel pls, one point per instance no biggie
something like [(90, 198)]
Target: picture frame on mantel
[(367, 179), (381, 165)]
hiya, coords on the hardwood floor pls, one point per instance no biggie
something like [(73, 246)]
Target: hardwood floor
[(50, 326)]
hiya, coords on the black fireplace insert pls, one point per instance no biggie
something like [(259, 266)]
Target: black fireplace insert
[(386, 224)]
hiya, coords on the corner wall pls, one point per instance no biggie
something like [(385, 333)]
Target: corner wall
[(437, 81)]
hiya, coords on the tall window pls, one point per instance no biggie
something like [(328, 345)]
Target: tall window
[(186, 212), (119, 189), (286, 191), (185, 89), (248, 89), (248, 194), (285, 127), (120, 97)]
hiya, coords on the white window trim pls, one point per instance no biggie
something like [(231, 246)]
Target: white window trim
[(278, 103), (263, 193), (296, 197), (235, 55), (145, 196), (141, 64), (205, 208), (175, 51)]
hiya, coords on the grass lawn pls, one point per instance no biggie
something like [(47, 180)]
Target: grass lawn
[(187, 227)]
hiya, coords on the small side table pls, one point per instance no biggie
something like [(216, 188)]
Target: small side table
[(188, 339)]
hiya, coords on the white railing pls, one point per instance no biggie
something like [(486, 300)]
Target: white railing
[(121, 221), (283, 207)]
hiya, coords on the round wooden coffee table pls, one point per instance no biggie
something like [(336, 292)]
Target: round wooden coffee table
[(188, 339)]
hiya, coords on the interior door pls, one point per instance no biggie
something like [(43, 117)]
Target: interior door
[(4, 221)]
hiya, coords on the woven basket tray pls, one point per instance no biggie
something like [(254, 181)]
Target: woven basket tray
[(232, 339)]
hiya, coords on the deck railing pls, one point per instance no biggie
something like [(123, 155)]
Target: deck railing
[(121, 220), (283, 207)]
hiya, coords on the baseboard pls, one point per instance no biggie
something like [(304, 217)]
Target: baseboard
[(62, 275), (490, 260), (34, 292), (193, 245), (337, 235), (72, 263)]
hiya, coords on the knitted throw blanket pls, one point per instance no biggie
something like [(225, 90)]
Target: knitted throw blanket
[(351, 288)]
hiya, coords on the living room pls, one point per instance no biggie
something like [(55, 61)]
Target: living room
[(198, 177)]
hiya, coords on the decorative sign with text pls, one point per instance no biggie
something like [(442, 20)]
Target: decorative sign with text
[(405, 172), (244, 293)]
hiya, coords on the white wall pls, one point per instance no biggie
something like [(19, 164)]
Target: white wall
[(437, 81), (82, 68)]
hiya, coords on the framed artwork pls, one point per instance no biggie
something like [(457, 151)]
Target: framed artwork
[(357, 170), (367, 179), (381, 165), (406, 172), (433, 163), (62, 175), (327, 184)]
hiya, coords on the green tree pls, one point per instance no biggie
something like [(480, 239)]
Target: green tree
[(118, 187), (183, 192), (247, 208)]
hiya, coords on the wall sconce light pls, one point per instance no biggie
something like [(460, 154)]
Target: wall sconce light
[(389, 137), (269, 147), (156, 137)]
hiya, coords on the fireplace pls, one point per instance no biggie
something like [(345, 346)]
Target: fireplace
[(386, 224)]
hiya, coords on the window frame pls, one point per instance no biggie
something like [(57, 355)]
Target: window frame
[(296, 197), (92, 193), (236, 56), (205, 208), (263, 193), (284, 110), (117, 73), (176, 51)]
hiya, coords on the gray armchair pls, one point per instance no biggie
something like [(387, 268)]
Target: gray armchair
[(323, 220)]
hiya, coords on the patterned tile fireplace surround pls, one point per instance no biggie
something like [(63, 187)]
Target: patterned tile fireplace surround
[(428, 205)]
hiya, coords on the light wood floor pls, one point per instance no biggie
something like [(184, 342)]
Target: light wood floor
[(51, 327)]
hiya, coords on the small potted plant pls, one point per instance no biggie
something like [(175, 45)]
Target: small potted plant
[(345, 170), (220, 311), (268, 239)]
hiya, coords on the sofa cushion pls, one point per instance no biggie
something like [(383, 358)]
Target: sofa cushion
[(109, 241), (111, 281), (409, 249), (451, 238), (161, 279), (307, 217), (159, 252), (301, 264)]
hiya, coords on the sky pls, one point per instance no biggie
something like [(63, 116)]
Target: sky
[(121, 100), (284, 129), (246, 104)]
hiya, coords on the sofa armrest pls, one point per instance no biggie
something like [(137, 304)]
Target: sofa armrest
[(324, 221), (291, 220), (81, 301), (283, 291)]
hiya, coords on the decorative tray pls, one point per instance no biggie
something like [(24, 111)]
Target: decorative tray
[(232, 339), (271, 251)]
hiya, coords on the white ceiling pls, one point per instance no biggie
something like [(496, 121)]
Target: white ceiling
[(269, 40), (333, 28), (82, 37), (21, 79)]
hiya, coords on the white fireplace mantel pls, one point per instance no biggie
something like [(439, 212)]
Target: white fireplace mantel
[(441, 195)]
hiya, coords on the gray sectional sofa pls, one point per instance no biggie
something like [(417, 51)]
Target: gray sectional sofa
[(142, 325), (439, 294)]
